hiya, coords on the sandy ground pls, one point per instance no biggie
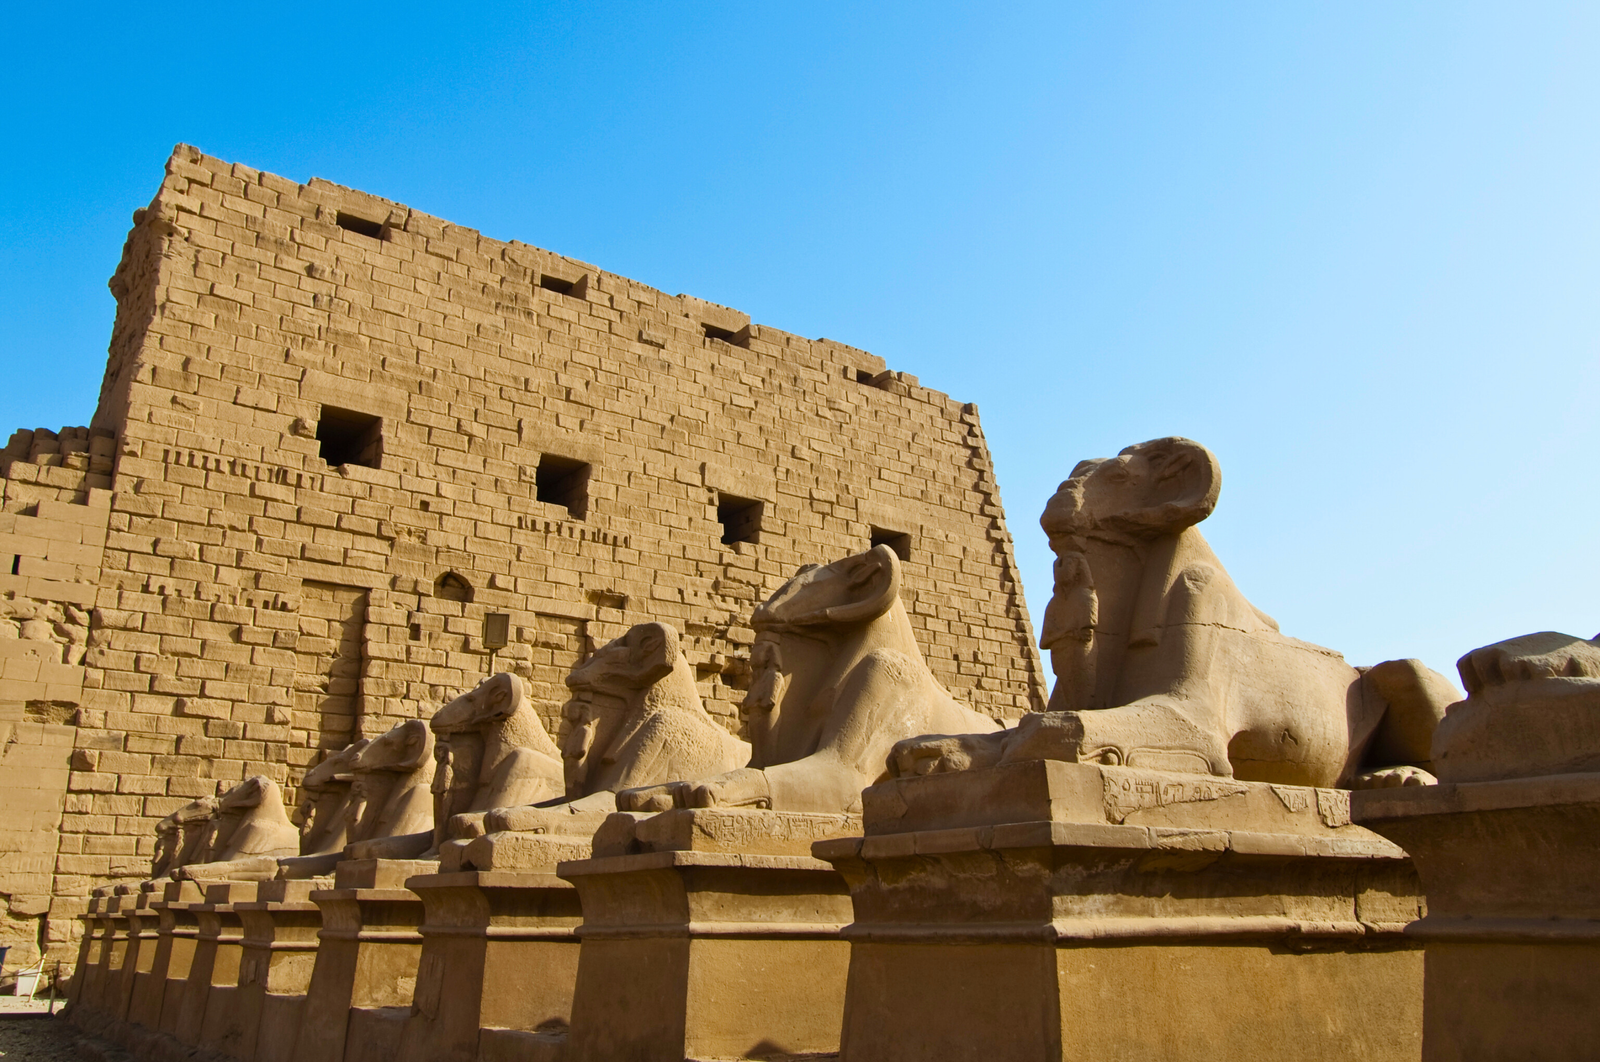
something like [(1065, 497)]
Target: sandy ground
[(37, 1040)]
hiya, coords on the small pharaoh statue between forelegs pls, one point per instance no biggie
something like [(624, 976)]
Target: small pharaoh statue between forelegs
[(440, 787), (1068, 630), (763, 697)]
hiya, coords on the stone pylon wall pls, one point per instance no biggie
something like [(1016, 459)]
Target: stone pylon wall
[(344, 431)]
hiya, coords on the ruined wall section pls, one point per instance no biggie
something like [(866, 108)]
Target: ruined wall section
[(515, 432), (54, 507)]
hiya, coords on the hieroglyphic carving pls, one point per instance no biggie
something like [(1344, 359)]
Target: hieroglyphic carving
[(1126, 792)]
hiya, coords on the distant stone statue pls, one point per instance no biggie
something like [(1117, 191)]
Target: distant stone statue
[(838, 679), (324, 827), (181, 836), (1161, 662), (499, 754), (250, 832), (1532, 708), (637, 720), (390, 811)]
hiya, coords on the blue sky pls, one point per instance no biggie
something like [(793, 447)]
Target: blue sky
[(1354, 248)]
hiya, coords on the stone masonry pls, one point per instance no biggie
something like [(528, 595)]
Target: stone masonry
[(334, 433)]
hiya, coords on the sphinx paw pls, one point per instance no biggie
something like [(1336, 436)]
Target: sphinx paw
[(523, 819), (652, 797), (1056, 736), (1392, 778), (944, 754)]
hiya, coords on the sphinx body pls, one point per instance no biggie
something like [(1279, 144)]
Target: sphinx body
[(498, 755), (181, 837), (1532, 708), (1161, 662), (390, 811), (249, 833), (839, 679), (324, 828), (636, 720), (324, 796)]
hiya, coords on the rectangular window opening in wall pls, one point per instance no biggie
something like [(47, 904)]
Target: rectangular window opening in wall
[(868, 378), (740, 519), (349, 437), (565, 482), (898, 541), (361, 226), (573, 289), (741, 338)]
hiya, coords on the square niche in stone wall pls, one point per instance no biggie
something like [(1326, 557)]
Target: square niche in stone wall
[(565, 482), (898, 541), (740, 518), (349, 437)]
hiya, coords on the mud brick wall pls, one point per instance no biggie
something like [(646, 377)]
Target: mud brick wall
[(344, 431)]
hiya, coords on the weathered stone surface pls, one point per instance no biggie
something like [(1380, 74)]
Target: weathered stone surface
[(1505, 849), (366, 966), (1532, 707), (637, 719), (250, 832), (692, 949), (1053, 910), (496, 753), (499, 952)]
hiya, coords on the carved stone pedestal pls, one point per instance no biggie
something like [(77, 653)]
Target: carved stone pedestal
[(157, 1003), (717, 937), (499, 953), (83, 994), (1059, 911), (1512, 935), (278, 952), (214, 973), (96, 1003), (144, 925), (366, 965)]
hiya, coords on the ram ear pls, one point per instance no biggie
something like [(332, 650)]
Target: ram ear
[(874, 583), (653, 651), (1184, 482), (419, 744), (504, 696)]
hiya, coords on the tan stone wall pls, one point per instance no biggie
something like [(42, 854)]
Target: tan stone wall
[(258, 603), (54, 507), (35, 746)]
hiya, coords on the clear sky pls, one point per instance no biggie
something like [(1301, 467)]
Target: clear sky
[(1352, 247)]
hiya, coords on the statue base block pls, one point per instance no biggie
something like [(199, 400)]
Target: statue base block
[(279, 952), (94, 1005), (499, 951), (138, 950), (366, 964), (1512, 934), (715, 935), (1051, 910), (148, 966), (513, 850), (176, 945), (214, 973)]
